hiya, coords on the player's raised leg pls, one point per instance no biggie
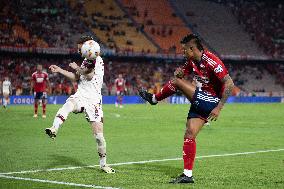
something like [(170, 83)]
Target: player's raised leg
[(169, 89), (188, 89), (193, 126), (97, 128), (60, 117)]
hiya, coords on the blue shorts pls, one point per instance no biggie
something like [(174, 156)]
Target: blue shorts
[(40, 95), (202, 104)]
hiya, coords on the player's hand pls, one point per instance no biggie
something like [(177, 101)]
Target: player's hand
[(213, 116), (73, 65), (179, 73), (54, 68)]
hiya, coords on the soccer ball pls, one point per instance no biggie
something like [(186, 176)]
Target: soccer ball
[(90, 49)]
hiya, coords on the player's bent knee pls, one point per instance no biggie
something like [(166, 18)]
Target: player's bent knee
[(189, 134), (67, 108)]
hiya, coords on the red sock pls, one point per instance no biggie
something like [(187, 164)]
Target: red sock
[(168, 90), (189, 151), (35, 107), (43, 108)]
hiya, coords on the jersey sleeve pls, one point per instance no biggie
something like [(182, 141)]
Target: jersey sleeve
[(33, 77), (90, 64), (46, 76), (187, 68), (218, 68), (99, 66)]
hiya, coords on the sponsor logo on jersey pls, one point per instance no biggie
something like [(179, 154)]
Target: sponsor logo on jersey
[(218, 69)]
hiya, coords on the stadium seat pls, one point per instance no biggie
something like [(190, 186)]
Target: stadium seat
[(160, 22)]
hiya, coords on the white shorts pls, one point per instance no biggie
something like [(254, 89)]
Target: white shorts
[(92, 109), (6, 93), (119, 93)]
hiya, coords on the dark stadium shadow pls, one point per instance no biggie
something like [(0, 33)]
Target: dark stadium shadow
[(60, 160), (66, 161), (160, 168)]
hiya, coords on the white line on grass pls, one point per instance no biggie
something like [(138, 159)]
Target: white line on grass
[(141, 162), (55, 182)]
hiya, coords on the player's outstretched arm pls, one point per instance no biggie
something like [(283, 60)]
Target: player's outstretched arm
[(79, 70), (228, 87), (69, 75)]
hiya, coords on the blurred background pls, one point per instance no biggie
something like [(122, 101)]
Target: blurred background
[(140, 39)]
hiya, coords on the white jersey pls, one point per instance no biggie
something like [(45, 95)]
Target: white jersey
[(91, 89), (6, 86)]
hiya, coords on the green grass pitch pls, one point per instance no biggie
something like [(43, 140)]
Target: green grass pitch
[(141, 133)]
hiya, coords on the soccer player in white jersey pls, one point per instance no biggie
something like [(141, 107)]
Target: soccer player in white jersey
[(6, 91), (87, 99)]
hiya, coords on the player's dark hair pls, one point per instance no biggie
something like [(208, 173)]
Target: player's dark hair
[(84, 38), (196, 39)]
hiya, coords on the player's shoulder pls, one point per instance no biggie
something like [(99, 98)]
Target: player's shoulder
[(99, 59), (209, 55), (211, 58), (45, 73), (34, 74)]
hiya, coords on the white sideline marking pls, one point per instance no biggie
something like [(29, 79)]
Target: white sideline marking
[(141, 162), (55, 182)]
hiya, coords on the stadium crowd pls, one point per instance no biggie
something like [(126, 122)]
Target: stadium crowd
[(151, 75), (61, 22), (264, 21), (19, 70), (20, 26)]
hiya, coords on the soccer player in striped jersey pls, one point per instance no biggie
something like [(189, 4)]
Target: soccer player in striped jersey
[(120, 90), (40, 84), (214, 86)]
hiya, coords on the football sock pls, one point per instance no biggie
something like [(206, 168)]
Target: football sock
[(189, 151), (187, 172), (35, 106), (62, 114), (43, 108), (101, 147), (4, 102), (167, 90)]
